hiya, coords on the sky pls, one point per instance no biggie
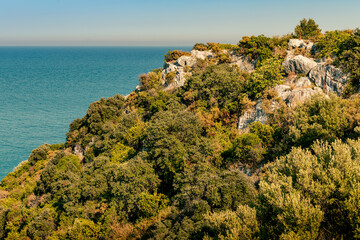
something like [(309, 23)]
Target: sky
[(162, 22)]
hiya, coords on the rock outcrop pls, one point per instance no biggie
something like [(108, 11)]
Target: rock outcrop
[(181, 68), (298, 64), (243, 63), (293, 97), (298, 43), (328, 78), (319, 79), (256, 114)]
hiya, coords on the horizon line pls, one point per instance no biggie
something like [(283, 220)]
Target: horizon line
[(96, 45)]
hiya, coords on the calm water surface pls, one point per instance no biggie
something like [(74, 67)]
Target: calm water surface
[(42, 89)]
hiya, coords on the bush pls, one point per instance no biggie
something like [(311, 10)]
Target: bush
[(200, 47), (310, 194), (265, 76), (254, 48), (39, 154), (170, 77), (150, 80), (174, 55), (247, 149), (329, 44), (216, 86)]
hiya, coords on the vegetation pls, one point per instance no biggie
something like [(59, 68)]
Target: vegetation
[(171, 164), (174, 55), (307, 29)]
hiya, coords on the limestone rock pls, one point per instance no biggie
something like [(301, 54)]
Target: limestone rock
[(256, 114), (298, 43), (298, 64), (186, 61), (328, 78), (79, 151), (302, 82), (243, 63), (201, 54), (293, 97)]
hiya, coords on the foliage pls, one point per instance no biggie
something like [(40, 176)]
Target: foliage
[(150, 80), (168, 164), (39, 154), (267, 75), (329, 44), (307, 195), (239, 224), (218, 86), (324, 118), (307, 29), (248, 149), (174, 55), (200, 47), (256, 47), (349, 59)]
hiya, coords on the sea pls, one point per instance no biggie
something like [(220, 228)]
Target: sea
[(43, 89)]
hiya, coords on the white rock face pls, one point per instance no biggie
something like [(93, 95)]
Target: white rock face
[(256, 114), (243, 63), (293, 97), (179, 67), (298, 64), (328, 78), (298, 43), (302, 82), (201, 54)]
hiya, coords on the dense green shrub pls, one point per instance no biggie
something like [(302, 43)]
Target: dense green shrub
[(323, 118), (150, 80), (174, 55), (217, 86), (39, 154), (329, 44), (309, 195), (200, 47), (265, 76), (349, 59), (259, 47)]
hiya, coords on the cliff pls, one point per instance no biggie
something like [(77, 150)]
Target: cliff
[(257, 140)]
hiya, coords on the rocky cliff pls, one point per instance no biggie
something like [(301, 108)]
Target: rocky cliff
[(305, 77)]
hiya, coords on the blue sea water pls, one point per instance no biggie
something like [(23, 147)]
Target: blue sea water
[(42, 89)]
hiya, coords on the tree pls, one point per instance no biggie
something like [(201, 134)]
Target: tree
[(307, 29)]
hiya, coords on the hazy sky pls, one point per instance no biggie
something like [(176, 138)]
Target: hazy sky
[(162, 22)]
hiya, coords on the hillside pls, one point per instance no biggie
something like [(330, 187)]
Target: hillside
[(258, 140)]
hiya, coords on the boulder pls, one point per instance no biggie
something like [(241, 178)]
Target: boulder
[(293, 97), (298, 43), (302, 82), (298, 64), (201, 54), (256, 114), (243, 63), (186, 61), (328, 78)]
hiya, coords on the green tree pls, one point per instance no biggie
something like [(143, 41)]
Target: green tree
[(307, 29)]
